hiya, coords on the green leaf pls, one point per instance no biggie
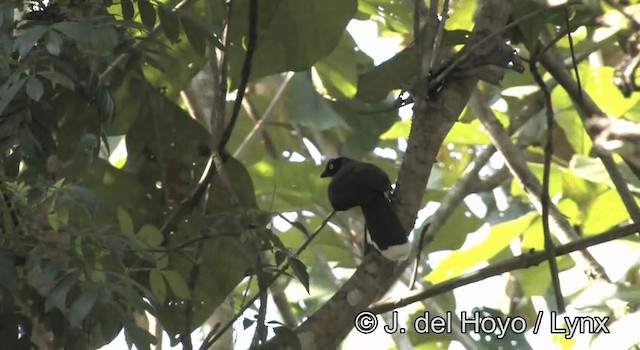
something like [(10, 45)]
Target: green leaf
[(289, 336), (28, 39), (470, 134), (48, 274), (305, 106), (8, 277), (158, 285), (34, 88), (300, 271), (292, 34), (10, 88), (590, 169), (170, 23), (452, 235), (125, 222), (400, 129), (139, 337), (147, 13), (572, 125), (54, 43), (127, 9), (57, 78), (195, 34), (53, 220), (498, 239), (177, 284), (338, 72), (60, 292), (606, 211), (394, 73), (79, 32), (82, 306), (150, 235)]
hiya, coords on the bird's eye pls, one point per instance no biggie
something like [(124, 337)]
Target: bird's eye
[(331, 166)]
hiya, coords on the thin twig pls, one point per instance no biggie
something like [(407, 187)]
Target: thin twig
[(244, 75), (265, 116), (544, 196)]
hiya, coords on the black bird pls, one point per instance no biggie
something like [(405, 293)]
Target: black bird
[(365, 185)]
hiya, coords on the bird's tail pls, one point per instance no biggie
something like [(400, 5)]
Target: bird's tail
[(387, 233)]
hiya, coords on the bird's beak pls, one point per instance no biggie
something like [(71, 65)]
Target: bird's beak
[(325, 173)]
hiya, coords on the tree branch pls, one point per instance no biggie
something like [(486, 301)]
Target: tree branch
[(518, 262)]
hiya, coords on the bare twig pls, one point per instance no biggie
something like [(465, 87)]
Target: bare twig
[(545, 200), (265, 116), (244, 75)]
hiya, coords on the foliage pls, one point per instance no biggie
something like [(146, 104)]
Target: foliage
[(93, 240)]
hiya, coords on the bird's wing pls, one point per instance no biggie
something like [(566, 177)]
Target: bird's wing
[(371, 177)]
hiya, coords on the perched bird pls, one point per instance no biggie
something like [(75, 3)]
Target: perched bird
[(365, 185)]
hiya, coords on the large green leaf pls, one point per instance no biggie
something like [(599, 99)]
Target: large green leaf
[(498, 239), (226, 259), (338, 72), (292, 34)]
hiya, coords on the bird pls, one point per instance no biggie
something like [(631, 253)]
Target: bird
[(354, 183)]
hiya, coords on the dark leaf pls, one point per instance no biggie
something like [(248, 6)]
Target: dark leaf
[(28, 39), (59, 293), (247, 322), (54, 43), (158, 285), (195, 34), (10, 88), (280, 257), (177, 284), (7, 270), (170, 23), (289, 336), (141, 338), (57, 78), (82, 306), (127, 9), (147, 13), (300, 271), (79, 32), (48, 274), (34, 88)]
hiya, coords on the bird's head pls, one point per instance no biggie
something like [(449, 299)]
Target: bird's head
[(334, 165)]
